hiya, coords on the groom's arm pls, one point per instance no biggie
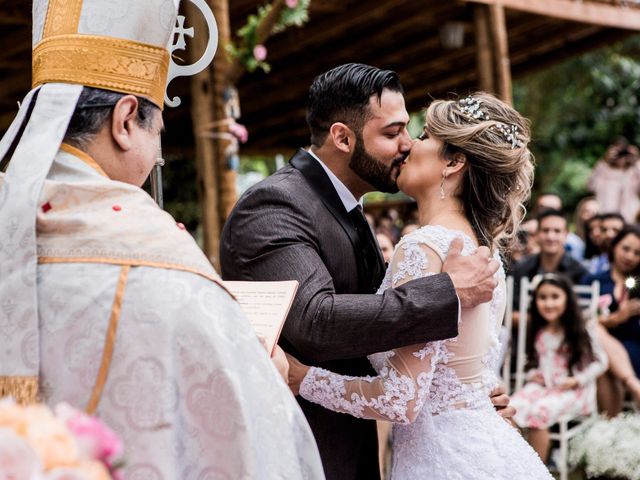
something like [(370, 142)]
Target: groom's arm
[(260, 242)]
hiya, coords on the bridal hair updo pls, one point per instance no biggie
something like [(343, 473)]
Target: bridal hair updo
[(498, 175)]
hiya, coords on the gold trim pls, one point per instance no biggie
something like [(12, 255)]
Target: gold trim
[(63, 17), (84, 156), (109, 342), (109, 63), (23, 389), (134, 263)]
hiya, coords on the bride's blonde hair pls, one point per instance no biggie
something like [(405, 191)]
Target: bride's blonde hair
[(499, 167)]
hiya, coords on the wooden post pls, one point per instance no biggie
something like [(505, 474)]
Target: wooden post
[(221, 65), (484, 49), (205, 149), (501, 52)]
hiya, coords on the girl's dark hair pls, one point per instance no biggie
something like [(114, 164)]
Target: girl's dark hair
[(628, 229), (576, 344)]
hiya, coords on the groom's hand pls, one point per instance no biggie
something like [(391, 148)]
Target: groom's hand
[(472, 275)]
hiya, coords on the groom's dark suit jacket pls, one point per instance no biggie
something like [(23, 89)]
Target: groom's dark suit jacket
[(293, 225)]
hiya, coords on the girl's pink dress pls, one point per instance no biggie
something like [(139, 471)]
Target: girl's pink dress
[(540, 406)]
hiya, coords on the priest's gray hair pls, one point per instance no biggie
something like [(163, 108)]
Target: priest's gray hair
[(94, 108)]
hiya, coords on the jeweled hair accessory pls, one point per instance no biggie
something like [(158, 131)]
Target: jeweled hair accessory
[(471, 108), (510, 133)]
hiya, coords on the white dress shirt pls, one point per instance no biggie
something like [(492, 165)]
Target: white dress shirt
[(348, 199)]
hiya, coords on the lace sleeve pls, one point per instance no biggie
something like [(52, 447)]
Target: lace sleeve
[(399, 392)]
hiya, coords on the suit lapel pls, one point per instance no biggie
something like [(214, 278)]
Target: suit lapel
[(321, 184)]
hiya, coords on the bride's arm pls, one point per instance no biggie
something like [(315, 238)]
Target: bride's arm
[(400, 390)]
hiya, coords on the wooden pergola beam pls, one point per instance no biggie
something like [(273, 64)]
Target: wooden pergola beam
[(484, 50), (502, 64), (615, 16)]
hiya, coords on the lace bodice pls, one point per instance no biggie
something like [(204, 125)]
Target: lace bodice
[(437, 376)]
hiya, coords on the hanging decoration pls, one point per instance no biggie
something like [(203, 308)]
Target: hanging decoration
[(274, 17)]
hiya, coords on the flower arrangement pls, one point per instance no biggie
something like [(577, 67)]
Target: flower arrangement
[(38, 444), (609, 448), (250, 51)]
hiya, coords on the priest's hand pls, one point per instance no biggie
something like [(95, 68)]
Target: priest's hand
[(278, 358), (297, 372), (472, 275)]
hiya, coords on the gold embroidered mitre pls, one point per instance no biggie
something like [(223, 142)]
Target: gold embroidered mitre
[(118, 45)]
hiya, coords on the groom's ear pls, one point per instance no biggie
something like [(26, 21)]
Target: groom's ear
[(342, 137)]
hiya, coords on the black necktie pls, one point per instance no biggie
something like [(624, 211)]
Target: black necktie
[(368, 249)]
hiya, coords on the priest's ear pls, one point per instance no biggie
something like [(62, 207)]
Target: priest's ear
[(342, 137), (123, 120)]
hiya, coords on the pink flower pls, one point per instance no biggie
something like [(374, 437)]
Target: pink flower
[(96, 440), (239, 131), (604, 302), (260, 52), (292, 3)]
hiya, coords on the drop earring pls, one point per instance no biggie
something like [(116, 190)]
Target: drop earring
[(442, 195)]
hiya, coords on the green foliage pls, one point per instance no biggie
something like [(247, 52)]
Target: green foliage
[(577, 108), (248, 34)]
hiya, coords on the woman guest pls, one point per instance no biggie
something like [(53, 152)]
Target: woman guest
[(620, 317)]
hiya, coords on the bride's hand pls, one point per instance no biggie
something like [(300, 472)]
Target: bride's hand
[(278, 358), (472, 275), (500, 401), (297, 372)]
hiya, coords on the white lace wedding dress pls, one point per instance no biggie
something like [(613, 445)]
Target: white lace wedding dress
[(436, 393)]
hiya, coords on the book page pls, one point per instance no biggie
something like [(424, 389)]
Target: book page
[(266, 305)]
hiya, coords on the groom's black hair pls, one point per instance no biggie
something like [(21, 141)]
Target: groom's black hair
[(342, 95)]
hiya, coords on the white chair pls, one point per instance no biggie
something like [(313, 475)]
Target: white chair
[(568, 426), (505, 337)]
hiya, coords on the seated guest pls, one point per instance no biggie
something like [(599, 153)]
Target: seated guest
[(553, 257), (531, 228), (621, 315), (593, 243), (551, 201), (609, 226), (385, 242), (586, 209), (563, 361), (547, 201)]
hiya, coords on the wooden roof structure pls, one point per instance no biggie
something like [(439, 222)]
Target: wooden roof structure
[(402, 35), (405, 36)]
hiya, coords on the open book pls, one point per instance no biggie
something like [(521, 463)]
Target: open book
[(266, 305)]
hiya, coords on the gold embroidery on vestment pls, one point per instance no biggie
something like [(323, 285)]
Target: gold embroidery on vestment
[(109, 342), (109, 63), (63, 16)]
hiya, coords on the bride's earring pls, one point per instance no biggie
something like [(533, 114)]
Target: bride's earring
[(444, 177)]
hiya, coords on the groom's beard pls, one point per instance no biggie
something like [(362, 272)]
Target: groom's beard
[(372, 170)]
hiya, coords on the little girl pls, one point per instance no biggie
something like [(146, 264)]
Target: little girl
[(563, 360)]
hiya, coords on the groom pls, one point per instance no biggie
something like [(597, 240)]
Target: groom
[(305, 222)]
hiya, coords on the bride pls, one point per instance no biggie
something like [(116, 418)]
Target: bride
[(469, 173)]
